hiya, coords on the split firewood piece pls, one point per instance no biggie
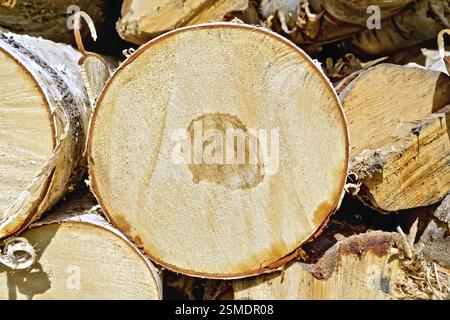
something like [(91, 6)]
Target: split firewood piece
[(363, 266), (411, 171), (142, 20), (203, 150), (43, 122), (398, 128), (51, 19), (81, 256), (425, 279), (313, 23)]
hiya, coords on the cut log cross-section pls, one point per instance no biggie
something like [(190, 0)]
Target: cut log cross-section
[(398, 125), (360, 267), (80, 256), (177, 98), (43, 122)]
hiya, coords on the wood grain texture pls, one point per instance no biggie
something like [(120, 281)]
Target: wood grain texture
[(49, 18), (400, 151), (355, 12), (357, 268), (80, 256), (142, 20), (218, 221), (417, 23), (43, 115), (412, 170)]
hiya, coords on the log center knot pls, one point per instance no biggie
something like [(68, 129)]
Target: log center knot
[(224, 151)]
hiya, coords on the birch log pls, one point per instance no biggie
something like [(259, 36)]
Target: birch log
[(199, 212), (398, 125), (81, 256), (142, 20), (44, 111), (417, 24), (377, 27), (357, 12), (361, 267)]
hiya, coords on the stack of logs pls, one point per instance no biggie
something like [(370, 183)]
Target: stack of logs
[(286, 180)]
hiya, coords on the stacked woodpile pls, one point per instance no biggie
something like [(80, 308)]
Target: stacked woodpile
[(246, 149)]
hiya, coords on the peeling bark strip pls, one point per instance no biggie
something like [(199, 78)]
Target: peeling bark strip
[(81, 256), (398, 125), (201, 218), (44, 111)]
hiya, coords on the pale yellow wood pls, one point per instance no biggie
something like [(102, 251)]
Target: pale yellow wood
[(26, 132), (412, 170), (142, 20), (385, 96), (228, 220), (44, 111), (399, 152), (80, 256), (357, 268)]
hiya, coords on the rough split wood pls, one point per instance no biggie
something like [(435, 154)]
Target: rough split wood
[(43, 124), (399, 131), (81, 256), (419, 22), (313, 23), (359, 267), (142, 20), (218, 219)]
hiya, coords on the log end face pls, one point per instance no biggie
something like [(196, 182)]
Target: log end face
[(163, 201)]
